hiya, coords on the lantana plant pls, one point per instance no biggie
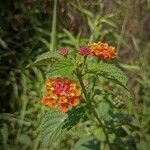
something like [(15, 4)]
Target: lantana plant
[(71, 87)]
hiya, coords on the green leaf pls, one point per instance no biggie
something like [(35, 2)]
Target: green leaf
[(81, 9), (118, 38), (45, 59), (4, 132), (25, 140), (52, 126), (3, 44), (45, 42), (56, 123), (72, 38), (103, 108), (99, 134), (63, 67), (143, 145), (87, 143), (74, 116), (109, 71), (130, 67), (108, 21)]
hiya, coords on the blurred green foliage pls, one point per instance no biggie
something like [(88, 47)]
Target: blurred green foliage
[(31, 27)]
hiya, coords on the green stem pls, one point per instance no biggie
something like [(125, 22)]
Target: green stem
[(83, 65), (102, 125), (53, 30), (93, 109), (82, 84), (94, 82)]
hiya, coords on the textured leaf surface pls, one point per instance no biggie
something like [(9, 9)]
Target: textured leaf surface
[(45, 59), (55, 123), (63, 67), (109, 71), (52, 125), (74, 116)]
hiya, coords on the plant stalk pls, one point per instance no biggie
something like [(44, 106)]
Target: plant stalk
[(102, 125), (93, 109)]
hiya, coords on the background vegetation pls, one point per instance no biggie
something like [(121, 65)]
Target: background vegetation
[(31, 27)]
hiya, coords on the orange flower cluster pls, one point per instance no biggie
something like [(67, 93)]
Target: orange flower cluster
[(102, 50), (61, 93)]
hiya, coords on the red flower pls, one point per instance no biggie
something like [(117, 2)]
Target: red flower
[(103, 50), (61, 93)]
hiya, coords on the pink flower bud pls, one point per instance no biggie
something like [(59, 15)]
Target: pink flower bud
[(64, 51), (84, 50)]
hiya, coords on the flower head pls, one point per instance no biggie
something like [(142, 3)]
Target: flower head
[(84, 50), (63, 51), (102, 50), (61, 93)]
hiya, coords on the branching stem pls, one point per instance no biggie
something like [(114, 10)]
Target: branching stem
[(92, 109)]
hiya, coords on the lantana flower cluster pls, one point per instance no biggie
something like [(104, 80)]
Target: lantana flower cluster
[(102, 50), (61, 93)]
